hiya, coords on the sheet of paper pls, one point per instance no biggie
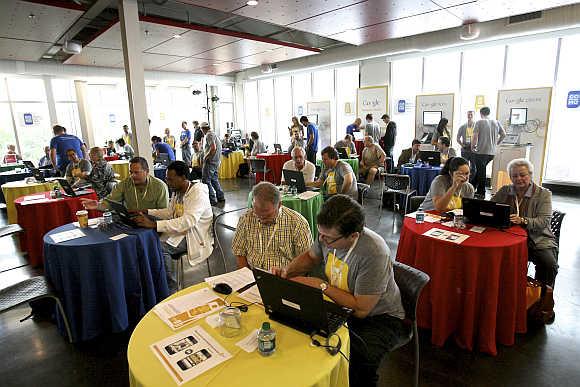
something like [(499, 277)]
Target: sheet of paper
[(67, 235), (93, 222), (118, 236), (189, 354), (448, 224), (445, 235), (250, 342), (188, 308), (308, 195), (477, 229), (236, 279), (251, 295), (35, 201), (34, 197), (429, 218)]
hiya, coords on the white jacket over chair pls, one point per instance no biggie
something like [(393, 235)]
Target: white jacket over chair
[(195, 224)]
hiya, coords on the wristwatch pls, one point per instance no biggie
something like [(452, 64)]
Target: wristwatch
[(525, 221), (323, 286)]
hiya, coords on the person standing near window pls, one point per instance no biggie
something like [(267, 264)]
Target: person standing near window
[(185, 141), (60, 144), (311, 139)]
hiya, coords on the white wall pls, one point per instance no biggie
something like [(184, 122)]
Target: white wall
[(374, 72)]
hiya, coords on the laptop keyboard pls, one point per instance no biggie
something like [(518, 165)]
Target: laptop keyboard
[(335, 321)]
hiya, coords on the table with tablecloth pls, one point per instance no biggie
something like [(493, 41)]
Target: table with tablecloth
[(120, 167), (16, 189), (8, 176), (354, 164), (10, 167), (421, 177), (308, 208), (477, 292), (111, 158), (359, 145), (229, 164), (105, 285), (160, 172), (295, 363), (39, 217), (274, 162)]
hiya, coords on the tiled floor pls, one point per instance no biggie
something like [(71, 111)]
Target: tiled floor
[(34, 354)]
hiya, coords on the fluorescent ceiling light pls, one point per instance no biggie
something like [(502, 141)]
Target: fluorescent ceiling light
[(177, 36), (252, 2)]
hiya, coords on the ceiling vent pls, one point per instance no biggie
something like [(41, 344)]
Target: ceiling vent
[(524, 17), (268, 68), (72, 47), (469, 32)]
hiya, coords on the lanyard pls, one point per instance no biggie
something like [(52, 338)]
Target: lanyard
[(345, 260), (336, 273), (142, 196), (263, 251)]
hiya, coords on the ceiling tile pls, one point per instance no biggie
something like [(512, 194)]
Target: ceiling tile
[(238, 49), (153, 61), (280, 12), (222, 68), (277, 55), (47, 25), (22, 49), (92, 56), (419, 24), (363, 14), (192, 43), (485, 10), (151, 35), (186, 65)]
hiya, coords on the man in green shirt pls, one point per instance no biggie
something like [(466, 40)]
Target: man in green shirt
[(140, 191)]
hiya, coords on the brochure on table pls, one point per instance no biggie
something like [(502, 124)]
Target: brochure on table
[(445, 235), (188, 354)]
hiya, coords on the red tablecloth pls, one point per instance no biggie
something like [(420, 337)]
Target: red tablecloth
[(274, 162), (359, 145), (477, 291), (111, 158), (38, 218)]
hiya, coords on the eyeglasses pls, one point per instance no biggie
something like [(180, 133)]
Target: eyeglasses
[(326, 239)]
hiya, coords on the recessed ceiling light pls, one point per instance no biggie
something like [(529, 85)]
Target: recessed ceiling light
[(215, 64), (252, 2), (177, 36)]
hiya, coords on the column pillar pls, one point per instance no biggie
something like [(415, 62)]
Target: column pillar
[(135, 77), (85, 114)]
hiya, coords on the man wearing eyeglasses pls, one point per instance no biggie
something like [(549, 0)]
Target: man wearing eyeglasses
[(359, 275), (299, 163), (269, 234)]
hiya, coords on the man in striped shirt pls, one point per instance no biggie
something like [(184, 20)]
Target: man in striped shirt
[(269, 234)]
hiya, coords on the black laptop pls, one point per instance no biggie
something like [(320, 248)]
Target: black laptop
[(299, 306), (296, 179), (486, 212), (431, 157), (162, 159), (342, 153), (28, 164), (69, 191), (123, 215), (38, 175)]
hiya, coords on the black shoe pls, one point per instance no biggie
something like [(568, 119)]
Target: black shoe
[(213, 203), (222, 200)]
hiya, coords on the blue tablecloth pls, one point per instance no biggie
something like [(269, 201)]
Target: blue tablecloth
[(421, 177), (6, 177), (160, 172), (105, 285)]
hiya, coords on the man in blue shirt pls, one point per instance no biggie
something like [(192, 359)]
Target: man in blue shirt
[(311, 139), (162, 147), (354, 127), (185, 139), (59, 144)]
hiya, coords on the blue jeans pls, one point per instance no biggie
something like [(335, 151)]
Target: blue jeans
[(209, 176)]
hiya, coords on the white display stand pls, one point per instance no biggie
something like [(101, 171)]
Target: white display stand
[(433, 102), (373, 100), (322, 110), (505, 154)]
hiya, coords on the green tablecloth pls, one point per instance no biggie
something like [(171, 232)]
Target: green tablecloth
[(353, 163), (307, 208), (10, 167)]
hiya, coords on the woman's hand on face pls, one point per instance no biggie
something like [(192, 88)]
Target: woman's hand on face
[(458, 179)]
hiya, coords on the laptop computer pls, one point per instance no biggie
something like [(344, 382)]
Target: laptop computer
[(123, 214), (69, 191), (296, 179), (277, 148), (342, 153), (38, 175), (478, 211), (431, 157), (28, 164), (299, 306), (162, 159)]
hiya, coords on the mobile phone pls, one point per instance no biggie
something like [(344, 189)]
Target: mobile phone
[(194, 359), (180, 345)]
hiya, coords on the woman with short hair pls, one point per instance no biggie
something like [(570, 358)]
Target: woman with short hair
[(531, 208)]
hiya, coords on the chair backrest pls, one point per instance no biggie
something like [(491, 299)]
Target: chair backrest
[(556, 224), (224, 228), (415, 203), (410, 282), (258, 165), (398, 182)]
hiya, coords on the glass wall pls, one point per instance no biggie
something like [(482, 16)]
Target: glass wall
[(283, 96), (346, 85), (266, 105), (109, 111)]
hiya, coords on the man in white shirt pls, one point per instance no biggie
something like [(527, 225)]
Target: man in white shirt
[(185, 225), (299, 163), (372, 128)]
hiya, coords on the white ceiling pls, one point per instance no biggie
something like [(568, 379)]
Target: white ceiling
[(351, 21)]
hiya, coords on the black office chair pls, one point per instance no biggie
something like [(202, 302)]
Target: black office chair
[(28, 290), (410, 282), (415, 202), (556, 224)]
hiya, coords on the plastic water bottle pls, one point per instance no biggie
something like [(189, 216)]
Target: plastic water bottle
[(266, 340), (419, 216), (107, 218)]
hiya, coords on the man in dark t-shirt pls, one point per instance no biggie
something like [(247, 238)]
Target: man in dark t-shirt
[(60, 143)]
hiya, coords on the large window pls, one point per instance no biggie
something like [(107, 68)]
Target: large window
[(6, 127), (251, 106), (226, 107), (266, 103), (283, 94), (67, 112), (346, 85), (531, 64), (441, 73), (109, 111), (323, 85), (301, 87)]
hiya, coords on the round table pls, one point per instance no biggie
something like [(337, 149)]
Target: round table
[(111, 158), (121, 167), (16, 189), (421, 177), (354, 164), (229, 165), (274, 162), (53, 212), (295, 363), (309, 208), (8, 176), (359, 145), (105, 285), (477, 292)]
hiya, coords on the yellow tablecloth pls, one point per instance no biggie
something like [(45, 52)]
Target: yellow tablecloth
[(15, 189), (121, 167), (230, 164), (295, 362)]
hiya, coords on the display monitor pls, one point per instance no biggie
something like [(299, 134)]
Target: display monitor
[(518, 116), (432, 118), (313, 118)]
